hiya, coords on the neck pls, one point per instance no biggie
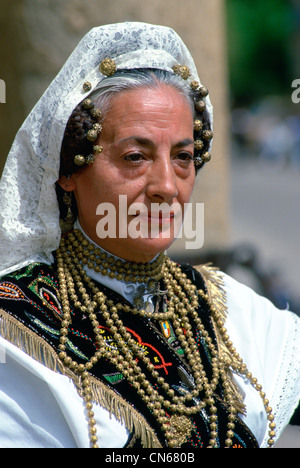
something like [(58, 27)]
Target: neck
[(95, 258), (140, 259)]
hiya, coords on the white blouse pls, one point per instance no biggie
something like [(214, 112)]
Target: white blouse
[(40, 408)]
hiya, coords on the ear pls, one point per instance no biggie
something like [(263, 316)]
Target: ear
[(67, 184)]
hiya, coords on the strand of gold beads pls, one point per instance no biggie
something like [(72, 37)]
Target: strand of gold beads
[(80, 369), (182, 301), (240, 367), (191, 304)]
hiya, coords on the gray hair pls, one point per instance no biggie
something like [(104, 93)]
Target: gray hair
[(132, 79)]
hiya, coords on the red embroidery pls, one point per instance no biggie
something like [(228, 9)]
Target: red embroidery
[(162, 363)]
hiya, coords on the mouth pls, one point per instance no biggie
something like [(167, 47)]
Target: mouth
[(157, 218), (160, 216)]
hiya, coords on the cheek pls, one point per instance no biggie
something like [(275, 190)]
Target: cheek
[(94, 189), (186, 189)]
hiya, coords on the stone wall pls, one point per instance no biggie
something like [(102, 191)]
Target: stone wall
[(38, 35)]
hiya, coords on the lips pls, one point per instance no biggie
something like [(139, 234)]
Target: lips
[(161, 216)]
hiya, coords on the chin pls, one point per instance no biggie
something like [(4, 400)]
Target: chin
[(149, 248)]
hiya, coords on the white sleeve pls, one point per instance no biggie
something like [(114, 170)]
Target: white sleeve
[(268, 340), (41, 408)]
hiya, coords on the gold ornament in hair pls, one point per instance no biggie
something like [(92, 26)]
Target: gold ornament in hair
[(200, 105), (98, 149), (203, 91), (81, 160), (198, 125), (108, 67), (207, 135), (206, 157), (198, 144), (92, 134), (96, 113), (88, 104), (198, 161), (182, 70), (86, 86), (194, 85)]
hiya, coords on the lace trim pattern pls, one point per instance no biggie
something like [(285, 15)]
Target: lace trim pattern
[(29, 214), (286, 392)]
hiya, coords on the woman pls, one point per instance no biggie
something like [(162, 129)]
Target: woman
[(107, 342)]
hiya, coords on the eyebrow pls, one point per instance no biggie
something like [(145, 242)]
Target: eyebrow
[(147, 142)]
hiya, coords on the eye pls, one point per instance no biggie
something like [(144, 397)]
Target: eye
[(134, 157), (184, 157)]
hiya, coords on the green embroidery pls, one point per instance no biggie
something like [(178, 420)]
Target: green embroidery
[(52, 332), (26, 271), (114, 378)]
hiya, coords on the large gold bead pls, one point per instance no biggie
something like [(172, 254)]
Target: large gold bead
[(96, 113), (198, 144), (194, 85), (200, 105), (203, 91), (79, 160), (198, 125), (92, 135), (90, 159), (88, 104), (207, 135), (182, 71), (108, 67), (206, 157), (87, 86), (198, 161)]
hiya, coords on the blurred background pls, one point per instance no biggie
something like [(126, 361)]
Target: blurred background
[(248, 55)]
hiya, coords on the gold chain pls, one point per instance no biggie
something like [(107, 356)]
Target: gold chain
[(182, 307)]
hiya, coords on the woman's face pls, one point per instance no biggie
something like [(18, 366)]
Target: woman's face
[(147, 158)]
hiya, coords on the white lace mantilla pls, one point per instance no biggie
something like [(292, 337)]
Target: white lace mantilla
[(29, 215)]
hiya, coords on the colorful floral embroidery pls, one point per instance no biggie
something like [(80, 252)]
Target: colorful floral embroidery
[(12, 291)]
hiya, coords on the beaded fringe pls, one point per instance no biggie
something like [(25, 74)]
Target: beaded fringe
[(123, 412), (217, 298), (33, 345), (36, 347)]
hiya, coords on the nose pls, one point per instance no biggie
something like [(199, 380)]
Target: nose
[(162, 185)]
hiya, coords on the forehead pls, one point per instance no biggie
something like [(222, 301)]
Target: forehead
[(162, 108)]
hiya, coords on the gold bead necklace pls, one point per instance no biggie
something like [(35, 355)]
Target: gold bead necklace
[(76, 288), (106, 264)]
